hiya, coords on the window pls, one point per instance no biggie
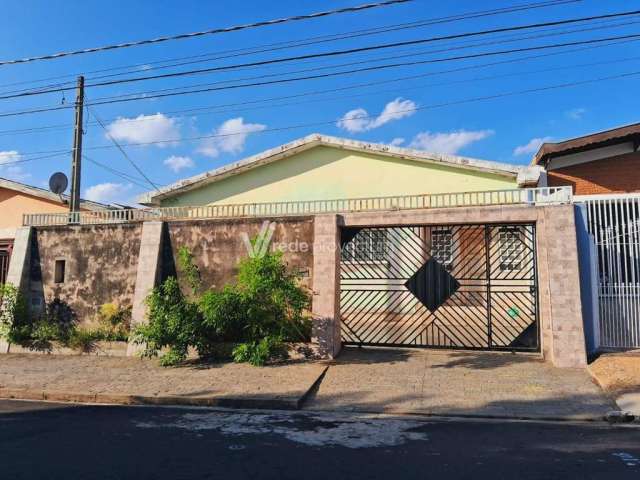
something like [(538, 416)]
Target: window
[(59, 271), (511, 248), (369, 245), (442, 246)]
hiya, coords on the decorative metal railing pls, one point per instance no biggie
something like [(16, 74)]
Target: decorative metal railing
[(531, 196)]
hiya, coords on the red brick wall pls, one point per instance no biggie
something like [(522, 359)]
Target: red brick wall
[(619, 174)]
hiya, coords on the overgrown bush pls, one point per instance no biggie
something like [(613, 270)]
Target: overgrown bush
[(114, 323), (260, 312), (13, 311), (173, 323)]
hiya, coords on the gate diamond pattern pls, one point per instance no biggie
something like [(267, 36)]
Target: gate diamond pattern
[(449, 286)]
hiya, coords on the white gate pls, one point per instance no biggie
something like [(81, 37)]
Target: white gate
[(614, 222)]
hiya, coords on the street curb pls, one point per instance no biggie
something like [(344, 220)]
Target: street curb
[(161, 400), (471, 416)]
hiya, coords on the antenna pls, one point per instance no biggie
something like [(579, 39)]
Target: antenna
[(58, 183)]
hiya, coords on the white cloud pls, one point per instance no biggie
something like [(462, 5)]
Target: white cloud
[(177, 163), (396, 142), (145, 128), (532, 146), (354, 121), (359, 120), (448, 142), (11, 170), (576, 113), (108, 192), (231, 137)]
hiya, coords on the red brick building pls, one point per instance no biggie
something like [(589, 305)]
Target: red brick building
[(601, 163)]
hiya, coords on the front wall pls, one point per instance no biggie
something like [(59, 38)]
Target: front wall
[(323, 173), (101, 263), (218, 246), (612, 175)]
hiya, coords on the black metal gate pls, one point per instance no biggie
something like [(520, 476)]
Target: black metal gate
[(445, 286)]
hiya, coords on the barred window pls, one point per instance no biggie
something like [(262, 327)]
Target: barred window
[(511, 248), (369, 245), (442, 245)]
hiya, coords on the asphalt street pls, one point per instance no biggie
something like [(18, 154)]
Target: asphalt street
[(56, 441)]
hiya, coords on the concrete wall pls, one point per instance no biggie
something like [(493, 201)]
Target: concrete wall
[(218, 246), (103, 262), (329, 173), (100, 266), (560, 310)]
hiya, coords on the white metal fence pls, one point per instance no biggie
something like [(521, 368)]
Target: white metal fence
[(546, 195), (614, 221)]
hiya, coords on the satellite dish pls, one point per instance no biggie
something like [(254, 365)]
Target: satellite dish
[(58, 183)]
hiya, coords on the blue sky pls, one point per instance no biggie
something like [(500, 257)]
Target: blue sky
[(506, 129)]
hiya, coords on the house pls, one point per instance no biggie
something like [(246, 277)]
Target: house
[(17, 199), (603, 169), (600, 163), (320, 167), (399, 247)]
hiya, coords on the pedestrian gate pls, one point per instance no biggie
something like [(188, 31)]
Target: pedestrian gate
[(447, 286)]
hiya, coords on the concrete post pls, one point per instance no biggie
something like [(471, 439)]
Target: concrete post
[(19, 266), (565, 341), (326, 285), (18, 274), (148, 274)]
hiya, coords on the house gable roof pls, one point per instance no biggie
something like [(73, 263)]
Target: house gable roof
[(47, 195), (587, 142), (523, 174)]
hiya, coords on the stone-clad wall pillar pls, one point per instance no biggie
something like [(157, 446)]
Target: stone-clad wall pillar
[(326, 285), (563, 340), (148, 273)]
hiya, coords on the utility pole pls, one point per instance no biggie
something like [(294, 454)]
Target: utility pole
[(76, 160)]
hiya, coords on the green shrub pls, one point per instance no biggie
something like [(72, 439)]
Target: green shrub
[(114, 323), (258, 353), (173, 322), (13, 312), (84, 340), (263, 309)]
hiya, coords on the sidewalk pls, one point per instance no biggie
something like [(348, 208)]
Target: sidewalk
[(126, 380), (619, 376), (458, 383), (428, 382)]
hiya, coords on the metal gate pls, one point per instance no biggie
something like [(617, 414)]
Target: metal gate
[(5, 256), (446, 286), (614, 223)]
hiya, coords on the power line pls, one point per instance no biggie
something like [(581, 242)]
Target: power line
[(378, 59), (326, 75), (294, 43), (98, 101), (117, 173), (370, 116), (365, 49), (330, 54), (215, 109), (213, 31), (115, 142)]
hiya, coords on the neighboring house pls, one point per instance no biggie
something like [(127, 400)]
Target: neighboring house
[(319, 167), (17, 199), (604, 170), (601, 163)]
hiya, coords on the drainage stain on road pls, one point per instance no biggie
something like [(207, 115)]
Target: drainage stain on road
[(311, 430)]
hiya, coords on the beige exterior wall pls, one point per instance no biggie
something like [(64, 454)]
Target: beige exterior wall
[(324, 173), (14, 204)]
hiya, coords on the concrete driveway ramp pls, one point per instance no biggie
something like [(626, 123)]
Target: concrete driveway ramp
[(458, 383)]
